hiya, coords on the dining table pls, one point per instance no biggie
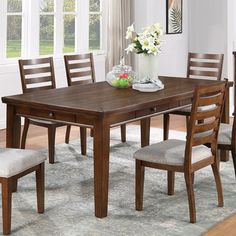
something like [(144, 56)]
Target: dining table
[(100, 106)]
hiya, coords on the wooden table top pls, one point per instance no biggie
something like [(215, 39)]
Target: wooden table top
[(102, 98)]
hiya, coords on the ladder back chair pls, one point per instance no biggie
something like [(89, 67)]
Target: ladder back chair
[(191, 155), (37, 75), (14, 164), (80, 70), (200, 66)]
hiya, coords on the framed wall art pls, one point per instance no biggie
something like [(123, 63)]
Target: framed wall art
[(174, 16)]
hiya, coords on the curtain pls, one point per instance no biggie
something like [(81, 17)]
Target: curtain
[(119, 18)]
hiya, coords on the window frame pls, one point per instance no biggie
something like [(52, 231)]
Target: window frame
[(31, 29)]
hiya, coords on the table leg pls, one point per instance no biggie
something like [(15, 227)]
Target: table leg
[(145, 131), (13, 128), (224, 155), (101, 167)]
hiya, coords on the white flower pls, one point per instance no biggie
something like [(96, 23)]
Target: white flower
[(149, 41), (130, 48), (129, 32)]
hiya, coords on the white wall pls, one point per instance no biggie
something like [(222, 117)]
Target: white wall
[(208, 27), (10, 80), (212, 30), (173, 59)]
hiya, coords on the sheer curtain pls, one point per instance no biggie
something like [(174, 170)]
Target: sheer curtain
[(119, 18)]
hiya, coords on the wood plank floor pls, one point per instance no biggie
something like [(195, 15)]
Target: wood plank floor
[(37, 138)]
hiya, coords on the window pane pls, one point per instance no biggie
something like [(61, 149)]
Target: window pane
[(14, 36), (46, 35), (69, 6), (46, 5), (69, 33), (94, 31), (94, 5), (14, 5)]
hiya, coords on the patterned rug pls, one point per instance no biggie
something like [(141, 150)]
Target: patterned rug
[(70, 204)]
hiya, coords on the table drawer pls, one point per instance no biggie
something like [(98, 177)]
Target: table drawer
[(46, 114)]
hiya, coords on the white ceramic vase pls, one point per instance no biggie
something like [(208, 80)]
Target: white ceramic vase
[(147, 67)]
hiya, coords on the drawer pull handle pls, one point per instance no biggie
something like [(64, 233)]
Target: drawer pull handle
[(50, 114), (153, 109)]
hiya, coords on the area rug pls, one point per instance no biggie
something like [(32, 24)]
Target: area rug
[(70, 203)]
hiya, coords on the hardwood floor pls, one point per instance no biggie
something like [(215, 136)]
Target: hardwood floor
[(37, 138)]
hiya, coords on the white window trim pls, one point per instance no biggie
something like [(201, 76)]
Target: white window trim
[(31, 23)]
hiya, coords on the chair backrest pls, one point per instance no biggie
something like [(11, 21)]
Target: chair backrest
[(206, 66), (205, 118), (79, 69), (37, 74)]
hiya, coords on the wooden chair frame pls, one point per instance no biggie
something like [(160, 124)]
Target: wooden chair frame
[(49, 80), (196, 68), (198, 134), (85, 62), (8, 186)]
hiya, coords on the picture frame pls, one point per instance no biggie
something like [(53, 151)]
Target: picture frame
[(174, 16)]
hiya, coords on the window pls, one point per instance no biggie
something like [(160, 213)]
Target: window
[(95, 15), (14, 28), (46, 41), (69, 26), (32, 28)]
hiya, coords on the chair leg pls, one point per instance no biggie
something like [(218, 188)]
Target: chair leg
[(6, 205), (171, 182), (83, 140), (166, 123), (24, 134), (216, 173), (51, 144), (40, 187), (187, 122), (139, 185), (67, 138), (191, 199), (91, 132), (123, 133), (234, 160)]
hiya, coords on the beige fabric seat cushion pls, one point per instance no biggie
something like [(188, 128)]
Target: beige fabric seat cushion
[(171, 152), (225, 134), (203, 108), (14, 161), (46, 122)]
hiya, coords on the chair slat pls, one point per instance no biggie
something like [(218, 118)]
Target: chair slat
[(80, 74), (199, 128), (210, 100), (206, 56), (79, 65), (34, 89), (78, 57), (204, 64), (207, 114), (204, 73), (37, 70), (78, 82), (203, 140), (36, 61), (38, 80)]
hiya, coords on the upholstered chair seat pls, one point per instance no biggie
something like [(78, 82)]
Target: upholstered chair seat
[(171, 152), (15, 163), (225, 134)]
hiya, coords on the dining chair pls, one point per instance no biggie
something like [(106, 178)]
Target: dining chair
[(200, 66), (80, 70), (191, 155), (14, 164), (37, 75)]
